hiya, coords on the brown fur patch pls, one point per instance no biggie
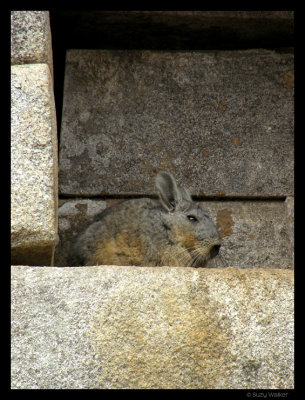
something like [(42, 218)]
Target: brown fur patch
[(179, 255), (186, 239), (125, 249)]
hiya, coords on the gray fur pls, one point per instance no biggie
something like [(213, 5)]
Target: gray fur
[(172, 230)]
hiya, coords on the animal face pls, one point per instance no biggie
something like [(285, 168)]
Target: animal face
[(191, 229)]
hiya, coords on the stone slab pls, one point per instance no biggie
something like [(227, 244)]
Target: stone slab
[(34, 169), (158, 328), (31, 40), (220, 121), (255, 233)]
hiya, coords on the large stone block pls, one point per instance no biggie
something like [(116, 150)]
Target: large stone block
[(31, 38), (221, 121), (255, 233), (130, 328), (33, 165)]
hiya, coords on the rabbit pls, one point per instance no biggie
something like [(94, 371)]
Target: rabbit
[(169, 231)]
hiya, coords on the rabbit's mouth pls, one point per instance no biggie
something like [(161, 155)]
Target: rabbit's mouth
[(201, 260)]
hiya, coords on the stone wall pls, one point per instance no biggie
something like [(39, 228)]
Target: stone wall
[(34, 171), (152, 328), (222, 123)]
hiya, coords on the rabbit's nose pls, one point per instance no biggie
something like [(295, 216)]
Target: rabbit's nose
[(215, 250)]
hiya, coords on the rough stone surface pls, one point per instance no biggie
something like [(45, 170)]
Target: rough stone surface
[(254, 233), (31, 38), (33, 165), (222, 122), (126, 327)]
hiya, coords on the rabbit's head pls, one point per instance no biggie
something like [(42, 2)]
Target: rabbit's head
[(186, 223)]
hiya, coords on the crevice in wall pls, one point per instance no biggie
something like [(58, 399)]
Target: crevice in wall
[(194, 197)]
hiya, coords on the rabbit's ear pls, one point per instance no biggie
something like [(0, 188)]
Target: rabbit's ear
[(169, 194), (185, 194)]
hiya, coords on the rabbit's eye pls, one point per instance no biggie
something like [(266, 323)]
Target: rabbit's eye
[(192, 218)]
